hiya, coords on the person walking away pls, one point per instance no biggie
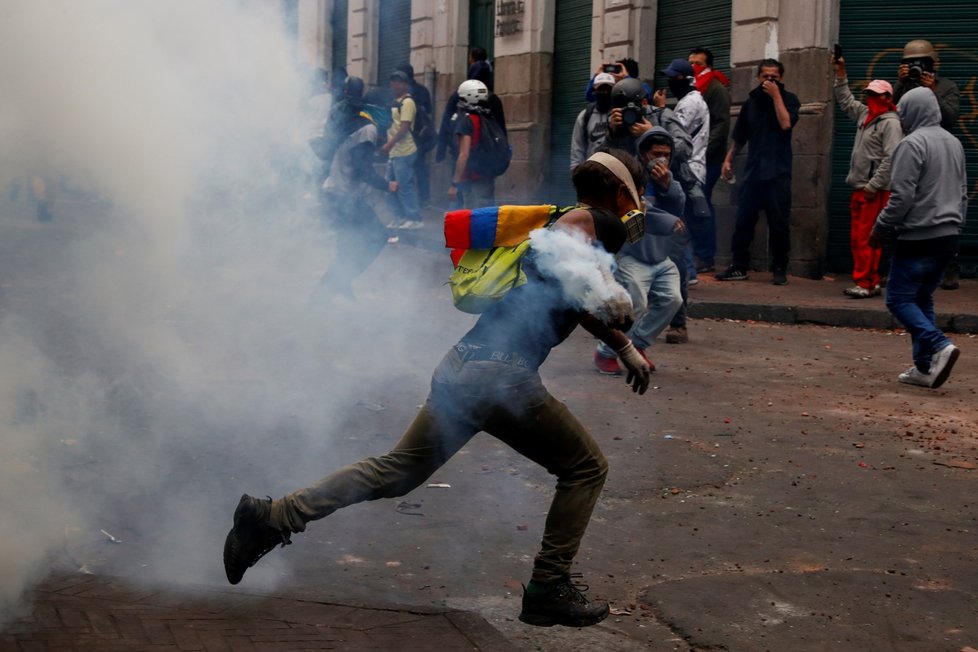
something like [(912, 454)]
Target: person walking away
[(490, 381), (591, 125), (764, 125), (472, 185), (919, 69), (925, 213), (878, 131), (402, 153), (713, 85), (349, 191)]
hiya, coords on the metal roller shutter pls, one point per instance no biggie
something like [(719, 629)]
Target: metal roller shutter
[(482, 25), (572, 69), (872, 41), (394, 44), (682, 26), (339, 22)]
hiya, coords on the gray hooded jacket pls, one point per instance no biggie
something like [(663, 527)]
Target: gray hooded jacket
[(929, 188)]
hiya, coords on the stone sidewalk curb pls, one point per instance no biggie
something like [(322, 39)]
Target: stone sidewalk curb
[(842, 317), (801, 301)]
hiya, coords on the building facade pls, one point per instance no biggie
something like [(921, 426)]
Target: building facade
[(544, 52)]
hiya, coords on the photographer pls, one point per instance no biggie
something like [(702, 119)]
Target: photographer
[(630, 115), (919, 68)]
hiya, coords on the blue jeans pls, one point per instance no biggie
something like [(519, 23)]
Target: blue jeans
[(656, 296), (910, 298), (704, 230), (404, 203)]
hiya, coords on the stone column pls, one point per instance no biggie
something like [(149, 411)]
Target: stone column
[(315, 33), (625, 29), (362, 34), (523, 75)]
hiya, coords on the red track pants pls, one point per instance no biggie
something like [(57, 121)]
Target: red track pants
[(866, 260)]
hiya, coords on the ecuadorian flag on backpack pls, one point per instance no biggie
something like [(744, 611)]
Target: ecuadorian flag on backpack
[(487, 246)]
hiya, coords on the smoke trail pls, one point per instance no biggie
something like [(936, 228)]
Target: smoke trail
[(583, 269), (177, 349)]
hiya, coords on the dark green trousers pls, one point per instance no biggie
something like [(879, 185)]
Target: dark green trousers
[(510, 403)]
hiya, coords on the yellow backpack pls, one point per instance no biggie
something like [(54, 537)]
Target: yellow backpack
[(488, 247)]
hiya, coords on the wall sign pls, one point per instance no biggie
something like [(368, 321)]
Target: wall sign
[(509, 17)]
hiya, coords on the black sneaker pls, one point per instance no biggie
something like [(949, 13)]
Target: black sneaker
[(251, 538), (564, 604), (779, 277), (732, 274)]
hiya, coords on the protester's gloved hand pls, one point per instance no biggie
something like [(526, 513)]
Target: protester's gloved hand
[(639, 372)]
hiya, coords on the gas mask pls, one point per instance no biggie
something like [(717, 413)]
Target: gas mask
[(602, 102), (633, 220)]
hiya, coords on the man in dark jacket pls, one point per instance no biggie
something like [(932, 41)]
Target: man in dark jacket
[(479, 70), (765, 124), (925, 213)]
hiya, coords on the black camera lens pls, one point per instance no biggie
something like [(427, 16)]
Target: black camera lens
[(915, 72), (630, 115)]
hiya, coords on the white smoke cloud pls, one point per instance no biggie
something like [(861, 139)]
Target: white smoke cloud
[(177, 349), (584, 271)]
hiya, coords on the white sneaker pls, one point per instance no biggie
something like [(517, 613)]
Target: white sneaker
[(914, 376), (858, 292), (394, 225), (942, 363), (411, 225)]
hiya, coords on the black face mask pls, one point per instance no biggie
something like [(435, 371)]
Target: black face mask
[(602, 102), (679, 87)]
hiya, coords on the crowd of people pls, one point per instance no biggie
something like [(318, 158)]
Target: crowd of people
[(686, 151), (644, 174)]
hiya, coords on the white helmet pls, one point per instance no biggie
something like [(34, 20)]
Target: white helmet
[(472, 91)]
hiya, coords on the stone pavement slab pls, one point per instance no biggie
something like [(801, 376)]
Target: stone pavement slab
[(105, 614), (819, 610)]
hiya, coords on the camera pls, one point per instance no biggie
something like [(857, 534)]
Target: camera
[(917, 68), (612, 68), (628, 95), (630, 114)]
